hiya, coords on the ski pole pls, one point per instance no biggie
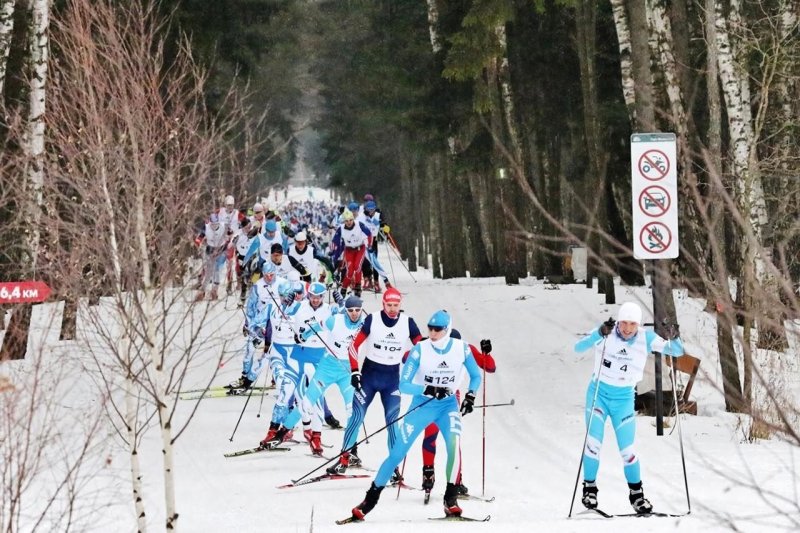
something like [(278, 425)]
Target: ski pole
[(400, 259), (680, 432), (494, 404), (266, 381), (364, 439), (588, 425), (400, 483), (364, 425), (241, 414), (391, 266), (483, 435)]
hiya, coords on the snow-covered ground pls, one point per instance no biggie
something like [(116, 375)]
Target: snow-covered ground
[(532, 449)]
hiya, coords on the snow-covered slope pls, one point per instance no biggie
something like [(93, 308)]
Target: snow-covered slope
[(532, 449)]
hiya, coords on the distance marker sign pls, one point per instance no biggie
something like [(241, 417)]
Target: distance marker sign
[(654, 188)]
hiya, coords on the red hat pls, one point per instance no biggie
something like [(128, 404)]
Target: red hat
[(392, 295)]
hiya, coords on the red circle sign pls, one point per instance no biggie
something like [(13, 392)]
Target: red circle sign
[(655, 237), (654, 201), (653, 165)]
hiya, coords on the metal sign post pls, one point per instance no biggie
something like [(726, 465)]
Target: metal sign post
[(654, 191)]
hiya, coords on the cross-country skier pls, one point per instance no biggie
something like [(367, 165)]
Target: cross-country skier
[(283, 343), (371, 217), (353, 239), (386, 336), (621, 351), (485, 361), (303, 253), (215, 237), (339, 330), (430, 375)]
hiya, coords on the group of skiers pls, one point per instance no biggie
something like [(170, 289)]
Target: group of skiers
[(310, 344)]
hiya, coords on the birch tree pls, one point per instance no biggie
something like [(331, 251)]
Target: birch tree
[(6, 33), (136, 155)]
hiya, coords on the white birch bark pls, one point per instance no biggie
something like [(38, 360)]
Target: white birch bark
[(433, 26), (662, 31), (34, 136), (626, 66), (6, 32), (506, 96)]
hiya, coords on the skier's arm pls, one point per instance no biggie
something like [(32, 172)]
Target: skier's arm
[(483, 360), (473, 371), (588, 341), (413, 332), (656, 343), (365, 230), (410, 367)]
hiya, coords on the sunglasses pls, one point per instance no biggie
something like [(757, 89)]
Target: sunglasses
[(435, 328), (353, 309)]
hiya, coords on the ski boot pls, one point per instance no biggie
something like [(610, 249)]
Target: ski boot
[(237, 384), (332, 422), (213, 295), (357, 290), (316, 443), (589, 499), (272, 440), (307, 433), (397, 477), (353, 459), (451, 507), (428, 478), (639, 503), (244, 386), (341, 466), (200, 296), (370, 500), (461, 489)]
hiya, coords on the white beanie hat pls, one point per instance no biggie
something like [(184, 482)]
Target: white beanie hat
[(229, 200), (630, 312)]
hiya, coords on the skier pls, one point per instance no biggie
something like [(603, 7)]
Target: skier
[(283, 343), (354, 239), (216, 240), (258, 313), (621, 352), (372, 269), (285, 264), (386, 335), (339, 330), (303, 253), (485, 361), (430, 375)]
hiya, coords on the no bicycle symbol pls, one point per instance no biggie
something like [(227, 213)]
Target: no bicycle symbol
[(653, 165), (655, 237), (654, 201)]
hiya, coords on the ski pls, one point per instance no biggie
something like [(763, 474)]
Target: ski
[(476, 498), (461, 519), (403, 486), (223, 393), (220, 388), (634, 515), (348, 520), (256, 450), (323, 477)]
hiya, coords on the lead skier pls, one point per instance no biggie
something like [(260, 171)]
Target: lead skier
[(621, 351)]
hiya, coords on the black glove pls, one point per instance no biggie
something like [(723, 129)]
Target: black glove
[(468, 403), (437, 392), (245, 330), (355, 380), (337, 297), (287, 300), (607, 327), (486, 346), (297, 339)]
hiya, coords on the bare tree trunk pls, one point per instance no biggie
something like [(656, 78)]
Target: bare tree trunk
[(626, 65), (433, 26), (6, 33), (726, 317)]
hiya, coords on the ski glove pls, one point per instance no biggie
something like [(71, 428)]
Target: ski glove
[(337, 297), (355, 380), (468, 403), (287, 300), (607, 327), (439, 393), (245, 330), (486, 346)]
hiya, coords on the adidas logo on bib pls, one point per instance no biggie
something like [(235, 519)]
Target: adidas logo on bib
[(443, 364), (390, 335)]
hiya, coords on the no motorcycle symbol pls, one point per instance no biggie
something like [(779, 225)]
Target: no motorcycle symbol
[(655, 237), (653, 165)]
